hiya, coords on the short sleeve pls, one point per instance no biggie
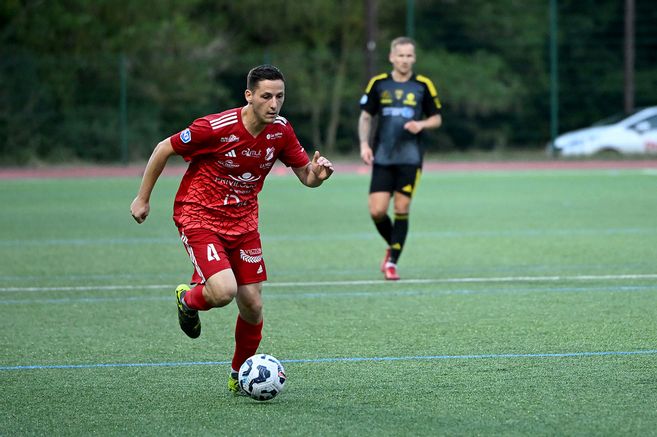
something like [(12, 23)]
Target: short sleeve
[(293, 154), (369, 102), (194, 140), (430, 103)]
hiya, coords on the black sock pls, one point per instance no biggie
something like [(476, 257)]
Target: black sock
[(384, 226), (399, 232)]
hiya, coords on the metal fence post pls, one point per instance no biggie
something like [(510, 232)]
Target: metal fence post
[(554, 70), (123, 107)]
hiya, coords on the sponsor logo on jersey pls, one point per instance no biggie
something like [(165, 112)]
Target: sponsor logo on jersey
[(363, 99), (237, 185), (386, 97), (252, 153), (231, 199), (186, 136), (410, 100), (246, 177), (405, 112), (230, 139), (229, 163), (251, 256), (267, 165), (274, 135), (269, 154), (231, 154)]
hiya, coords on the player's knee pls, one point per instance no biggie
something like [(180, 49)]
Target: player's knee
[(252, 310), (219, 294), (249, 301), (377, 214)]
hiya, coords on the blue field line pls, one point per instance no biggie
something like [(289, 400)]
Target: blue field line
[(346, 294), (338, 360)]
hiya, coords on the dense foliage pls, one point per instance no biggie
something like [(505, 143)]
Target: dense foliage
[(67, 63)]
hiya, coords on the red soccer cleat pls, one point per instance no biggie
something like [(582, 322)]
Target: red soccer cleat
[(385, 261), (391, 272)]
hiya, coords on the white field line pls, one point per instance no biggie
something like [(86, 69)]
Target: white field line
[(482, 280)]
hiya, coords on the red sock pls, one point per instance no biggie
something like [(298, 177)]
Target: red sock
[(194, 299), (247, 340)]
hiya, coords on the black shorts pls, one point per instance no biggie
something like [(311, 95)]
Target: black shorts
[(390, 178)]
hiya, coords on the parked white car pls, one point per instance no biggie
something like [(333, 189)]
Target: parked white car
[(634, 133)]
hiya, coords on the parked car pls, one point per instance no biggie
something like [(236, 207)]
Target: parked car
[(634, 133)]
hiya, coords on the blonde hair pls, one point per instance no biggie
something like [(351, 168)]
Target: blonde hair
[(401, 41)]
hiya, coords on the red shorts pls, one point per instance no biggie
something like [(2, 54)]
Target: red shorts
[(210, 253)]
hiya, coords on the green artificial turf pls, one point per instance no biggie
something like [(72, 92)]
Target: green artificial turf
[(527, 306)]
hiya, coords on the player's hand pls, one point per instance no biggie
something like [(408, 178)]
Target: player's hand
[(413, 126), (321, 167), (366, 154), (139, 209)]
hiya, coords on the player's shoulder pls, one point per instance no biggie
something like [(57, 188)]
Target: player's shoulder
[(424, 80), (280, 125), (281, 120), (375, 79), (220, 119)]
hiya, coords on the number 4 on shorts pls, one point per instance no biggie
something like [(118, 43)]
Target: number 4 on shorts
[(212, 253)]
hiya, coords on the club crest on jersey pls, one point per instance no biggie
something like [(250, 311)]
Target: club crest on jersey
[(269, 154), (186, 136)]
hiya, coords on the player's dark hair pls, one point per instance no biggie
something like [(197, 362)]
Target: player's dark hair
[(262, 72)]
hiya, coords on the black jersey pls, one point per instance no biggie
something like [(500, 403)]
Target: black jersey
[(397, 103)]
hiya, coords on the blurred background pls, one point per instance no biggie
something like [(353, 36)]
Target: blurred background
[(103, 81)]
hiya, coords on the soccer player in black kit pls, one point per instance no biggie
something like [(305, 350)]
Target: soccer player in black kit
[(405, 104)]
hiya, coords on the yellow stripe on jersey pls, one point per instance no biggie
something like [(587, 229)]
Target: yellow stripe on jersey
[(425, 80), (432, 89), (374, 79)]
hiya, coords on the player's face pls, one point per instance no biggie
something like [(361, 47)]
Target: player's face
[(267, 99), (402, 58)]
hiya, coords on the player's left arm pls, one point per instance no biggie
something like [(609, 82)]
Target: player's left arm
[(417, 126), (315, 172), (431, 107)]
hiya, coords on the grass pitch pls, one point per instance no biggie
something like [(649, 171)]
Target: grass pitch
[(527, 307)]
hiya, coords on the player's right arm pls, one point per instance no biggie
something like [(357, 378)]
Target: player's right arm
[(140, 207), (364, 128), (369, 105)]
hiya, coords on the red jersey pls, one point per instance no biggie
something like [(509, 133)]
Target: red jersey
[(227, 169)]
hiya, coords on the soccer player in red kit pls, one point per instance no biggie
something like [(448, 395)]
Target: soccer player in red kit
[(216, 207)]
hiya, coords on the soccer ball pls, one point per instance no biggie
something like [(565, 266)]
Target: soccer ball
[(262, 377)]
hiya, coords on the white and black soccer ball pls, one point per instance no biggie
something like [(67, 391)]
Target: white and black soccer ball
[(262, 377)]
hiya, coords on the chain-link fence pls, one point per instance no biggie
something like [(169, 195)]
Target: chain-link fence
[(491, 67)]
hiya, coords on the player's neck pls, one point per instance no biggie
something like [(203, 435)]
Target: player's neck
[(400, 77), (251, 123)]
